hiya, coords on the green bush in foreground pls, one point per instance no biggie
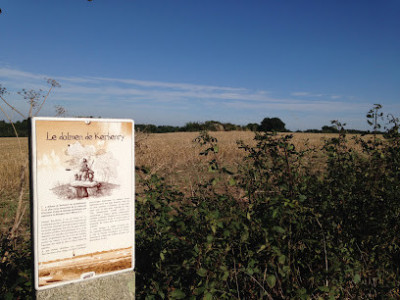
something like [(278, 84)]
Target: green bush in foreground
[(15, 268), (295, 233)]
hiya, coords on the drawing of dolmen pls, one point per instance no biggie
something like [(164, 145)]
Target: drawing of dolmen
[(89, 172), (84, 180)]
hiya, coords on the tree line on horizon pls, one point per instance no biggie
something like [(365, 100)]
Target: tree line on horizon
[(267, 124)]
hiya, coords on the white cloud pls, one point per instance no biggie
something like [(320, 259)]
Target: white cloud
[(300, 94), (111, 97), (169, 85), (308, 94), (16, 74)]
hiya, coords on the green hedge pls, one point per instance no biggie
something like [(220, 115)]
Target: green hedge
[(293, 233)]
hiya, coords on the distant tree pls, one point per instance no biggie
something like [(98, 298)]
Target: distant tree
[(272, 124), (193, 126), (213, 126), (329, 129), (252, 126), (230, 127), (312, 131), (167, 128), (148, 128)]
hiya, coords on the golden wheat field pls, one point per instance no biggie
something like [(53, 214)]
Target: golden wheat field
[(168, 154), (175, 156), (13, 155)]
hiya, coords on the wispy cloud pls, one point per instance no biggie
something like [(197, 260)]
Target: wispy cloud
[(16, 74), (315, 95), (300, 94), (168, 85), (105, 96)]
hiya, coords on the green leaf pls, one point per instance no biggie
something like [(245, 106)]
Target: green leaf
[(282, 259), (244, 237), (199, 290), (208, 296), (279, 229), (261, 248), (202, 272), (9, 296), (323, 288), (357, 278), (225, 276), (178, 294), (271, 280), (302, 198)]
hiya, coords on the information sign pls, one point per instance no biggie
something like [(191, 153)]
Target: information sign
[(83, 198)]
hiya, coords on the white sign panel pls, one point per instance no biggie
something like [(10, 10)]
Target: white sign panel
[(83, 198)]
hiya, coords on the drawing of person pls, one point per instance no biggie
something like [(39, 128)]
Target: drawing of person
[(85, 173)]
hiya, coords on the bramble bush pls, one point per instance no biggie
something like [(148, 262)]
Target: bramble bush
[(15, 268), (296, 233)]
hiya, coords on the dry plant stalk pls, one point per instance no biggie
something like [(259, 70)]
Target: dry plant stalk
[(21, 208), (33, 100)]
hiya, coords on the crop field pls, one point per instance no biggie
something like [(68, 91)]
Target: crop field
[(13, 154), (175, 156)]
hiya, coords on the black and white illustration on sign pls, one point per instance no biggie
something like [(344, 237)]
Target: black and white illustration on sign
[(92, 171)]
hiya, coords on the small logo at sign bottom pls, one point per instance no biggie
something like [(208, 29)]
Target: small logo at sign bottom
[(88, 275)]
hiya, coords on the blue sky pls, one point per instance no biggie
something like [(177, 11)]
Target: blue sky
[(168, 62)]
